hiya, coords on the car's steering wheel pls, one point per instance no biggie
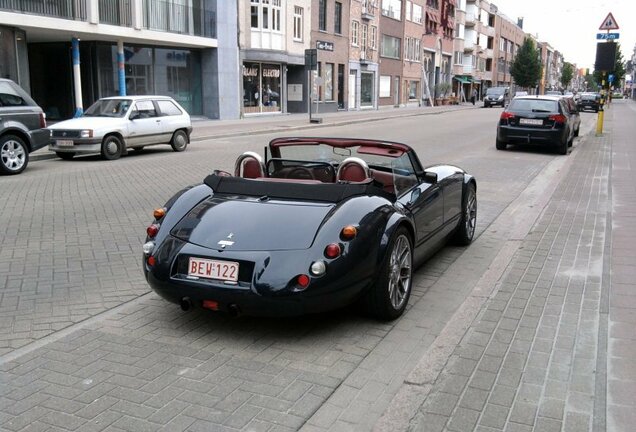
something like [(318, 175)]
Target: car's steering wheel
[(301, 173)]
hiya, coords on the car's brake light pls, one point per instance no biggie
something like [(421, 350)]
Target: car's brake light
[(42, 120), (506, 115), (303, 281), (558, 118), (333, 250), (152, 230)]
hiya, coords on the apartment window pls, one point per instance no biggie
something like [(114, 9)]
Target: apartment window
[(338, 18), (254, 13), (417, 14), (392, 8), (354, 33), (373, 44), (364, 31), (459, 57), (407, 11), (390, 47), (298, 23), (266, 14), (433, 3), (322, 15)]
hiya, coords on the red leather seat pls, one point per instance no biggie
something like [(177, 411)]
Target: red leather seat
[(353, 170), (252, 169)]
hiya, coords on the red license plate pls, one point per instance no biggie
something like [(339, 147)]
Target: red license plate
[(213, 269)]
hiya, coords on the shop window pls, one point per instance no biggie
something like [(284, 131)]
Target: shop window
[(328, 81)]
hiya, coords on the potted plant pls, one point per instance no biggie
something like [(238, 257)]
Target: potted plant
[(444, 89)]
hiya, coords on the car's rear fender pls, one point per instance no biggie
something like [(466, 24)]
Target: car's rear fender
[(17, 130), (178, 206)]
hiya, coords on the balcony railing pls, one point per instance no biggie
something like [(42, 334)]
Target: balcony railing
[(116, 12), (170, 17), (66, 9)]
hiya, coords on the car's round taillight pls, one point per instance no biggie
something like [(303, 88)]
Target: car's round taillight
[(152, 230), (333, 250)]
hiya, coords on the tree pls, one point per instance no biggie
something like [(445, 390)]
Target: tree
[(526, 67), (567, 74)]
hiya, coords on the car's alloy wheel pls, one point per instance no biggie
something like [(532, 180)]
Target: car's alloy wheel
[(389, 296), (466, 228), (179, 141), (112, 147), (14, 155)]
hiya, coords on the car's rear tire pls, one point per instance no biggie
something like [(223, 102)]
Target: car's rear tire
[(112, 147), (468, 222), (563, 148), (179, 141), (501, 145), (65, 155), (388, 297), (14, 155)]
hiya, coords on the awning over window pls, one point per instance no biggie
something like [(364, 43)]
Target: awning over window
[(463, 79), (432, 17)]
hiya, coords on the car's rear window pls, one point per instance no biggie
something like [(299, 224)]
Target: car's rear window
[(588, 96), (537, 105), (9, 95)]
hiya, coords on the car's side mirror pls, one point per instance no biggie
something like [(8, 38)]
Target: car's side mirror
[(415, 195)]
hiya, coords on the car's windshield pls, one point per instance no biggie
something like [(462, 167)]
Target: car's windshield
[(535, 105), (109, 108), (495, 91)]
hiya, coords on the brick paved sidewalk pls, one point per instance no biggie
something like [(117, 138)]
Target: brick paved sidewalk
[(535, 357)]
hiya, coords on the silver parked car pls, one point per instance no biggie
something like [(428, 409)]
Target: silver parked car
[(113, 125)]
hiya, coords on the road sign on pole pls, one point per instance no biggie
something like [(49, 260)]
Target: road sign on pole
[(607, 36), (609, 23)]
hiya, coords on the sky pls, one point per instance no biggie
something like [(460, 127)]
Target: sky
[(570, 26)]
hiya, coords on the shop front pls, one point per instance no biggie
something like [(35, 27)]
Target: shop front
[(262, 83)]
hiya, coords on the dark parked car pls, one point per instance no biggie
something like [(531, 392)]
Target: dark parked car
[(589, 101), (322, 223), (497, 96), (22, 127), (539, 120)]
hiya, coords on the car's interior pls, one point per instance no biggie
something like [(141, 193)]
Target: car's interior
[(250, 165)]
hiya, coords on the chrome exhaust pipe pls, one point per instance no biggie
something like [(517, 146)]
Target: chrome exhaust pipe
[(186, 304)]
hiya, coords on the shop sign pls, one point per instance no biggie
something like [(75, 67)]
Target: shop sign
[(325, 46), (271, 73), (250, 71)]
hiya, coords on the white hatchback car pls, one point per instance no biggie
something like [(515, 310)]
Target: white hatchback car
[(113, 125)]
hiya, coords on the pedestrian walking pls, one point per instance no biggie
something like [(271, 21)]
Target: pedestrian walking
[(473, 96)]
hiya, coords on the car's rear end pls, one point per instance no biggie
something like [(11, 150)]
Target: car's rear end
[(589, 101), (533, 120)]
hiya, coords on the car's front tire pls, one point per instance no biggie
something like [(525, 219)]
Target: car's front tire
[(14, 154), (179, 141), (65, 155), (112, 147), (388, 297), (466, 228)]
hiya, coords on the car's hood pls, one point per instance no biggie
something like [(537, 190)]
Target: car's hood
[(89, 123), (252, 224)]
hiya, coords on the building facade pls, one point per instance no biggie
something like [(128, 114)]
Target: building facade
[(274, 35), (508, 40), (363, 75), (104, 48)]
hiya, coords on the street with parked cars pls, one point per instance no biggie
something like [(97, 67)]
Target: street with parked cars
[(251, 222)]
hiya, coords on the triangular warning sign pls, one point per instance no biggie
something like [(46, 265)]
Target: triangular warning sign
[(609, 23)]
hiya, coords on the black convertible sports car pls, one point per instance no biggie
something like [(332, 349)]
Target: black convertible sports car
[(316, 224)]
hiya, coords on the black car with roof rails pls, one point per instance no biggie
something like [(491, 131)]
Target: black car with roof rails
[(537, 120), (22, 127)]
